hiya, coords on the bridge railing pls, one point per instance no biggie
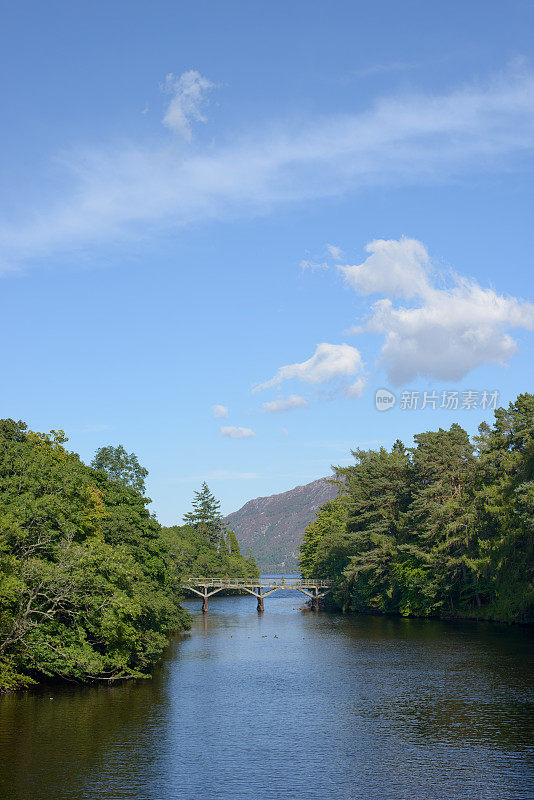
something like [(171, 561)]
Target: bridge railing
[(254, 582)]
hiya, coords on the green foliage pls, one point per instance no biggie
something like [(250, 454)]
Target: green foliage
[(202, 548), (323, 548), (233, 544), (86, 588), (445, 528), (205, 517), (121, 466), (194, 554)]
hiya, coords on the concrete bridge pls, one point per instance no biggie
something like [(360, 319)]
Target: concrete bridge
[(259, 588)]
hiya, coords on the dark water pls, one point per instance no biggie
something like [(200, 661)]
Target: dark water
[(333, 709)]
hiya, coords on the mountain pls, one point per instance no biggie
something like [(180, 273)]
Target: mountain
[(272, 527)]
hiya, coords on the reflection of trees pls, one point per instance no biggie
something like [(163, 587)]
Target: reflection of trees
[(401, 702), (56, 741)]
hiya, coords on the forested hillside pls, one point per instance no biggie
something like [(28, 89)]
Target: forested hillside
[(444, 528)]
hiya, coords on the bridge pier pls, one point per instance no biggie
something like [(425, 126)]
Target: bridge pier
[(314, 589)]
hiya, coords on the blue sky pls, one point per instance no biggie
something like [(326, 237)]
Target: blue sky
[(272, 208)]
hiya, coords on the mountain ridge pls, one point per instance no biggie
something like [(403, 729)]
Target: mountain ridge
[(272, 527)]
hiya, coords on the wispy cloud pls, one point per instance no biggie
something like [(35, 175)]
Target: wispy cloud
[(123, 190), (355, 389), (335, 252), (234, 432), (188, 96), (308, 263), (219, 412), (285, 404)]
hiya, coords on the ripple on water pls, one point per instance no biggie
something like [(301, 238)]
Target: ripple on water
[(290, 704)]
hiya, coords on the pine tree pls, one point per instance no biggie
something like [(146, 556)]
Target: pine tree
[(233, 544), (441, 517), (444, 528), (505, 510), (206, 517), (377, 497)]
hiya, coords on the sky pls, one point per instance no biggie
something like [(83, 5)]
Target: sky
[(224, 226)]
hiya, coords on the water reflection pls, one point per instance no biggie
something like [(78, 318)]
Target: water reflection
[(286, 704)]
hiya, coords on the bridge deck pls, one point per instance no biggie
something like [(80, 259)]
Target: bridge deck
[(260, 588), (264, 583)]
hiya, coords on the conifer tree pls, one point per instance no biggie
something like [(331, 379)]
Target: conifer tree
[(233, 544), (206, 517), (441, 516), (377, 498), (445, 528)]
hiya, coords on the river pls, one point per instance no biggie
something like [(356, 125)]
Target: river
[(289, 704)]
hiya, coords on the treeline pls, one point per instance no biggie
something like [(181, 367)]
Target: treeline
[(203, 547), (89, 580), (444, 528), (86, 586)]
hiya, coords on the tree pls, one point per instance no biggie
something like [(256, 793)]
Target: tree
[(376, 500), (233, 544), (86, 590), (505, 510), (224, 550), (120, 466), (329, 526), (441, 516), (206, 517), (192, 553), (445, 528)]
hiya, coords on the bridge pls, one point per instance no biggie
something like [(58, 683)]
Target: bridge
[(259, 588)]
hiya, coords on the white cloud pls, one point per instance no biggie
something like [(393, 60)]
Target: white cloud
[(219, 411), (446, 332), (285, 404), (236, 433), (284, 431), (128, 190), (307, 263), (335, 252), (356, 389), (189, 95), (400, 268), (329, 361)]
